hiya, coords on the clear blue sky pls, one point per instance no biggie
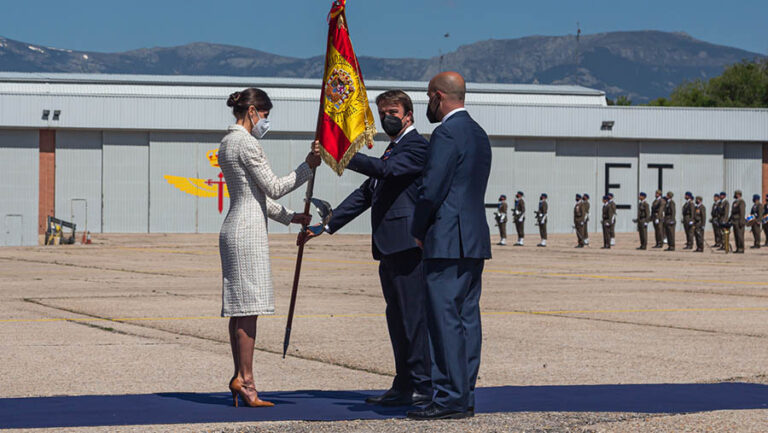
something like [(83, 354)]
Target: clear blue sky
[(394, 28)]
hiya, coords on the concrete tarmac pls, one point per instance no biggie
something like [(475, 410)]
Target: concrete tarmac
[(140, 314)]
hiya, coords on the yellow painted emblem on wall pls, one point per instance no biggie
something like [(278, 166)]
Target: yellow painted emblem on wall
[(203, 187)]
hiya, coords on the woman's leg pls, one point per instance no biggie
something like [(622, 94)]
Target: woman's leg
[(233, 344), (245, 338)]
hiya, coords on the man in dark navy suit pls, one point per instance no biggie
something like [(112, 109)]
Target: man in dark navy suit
[(450, 224), (391, 192)]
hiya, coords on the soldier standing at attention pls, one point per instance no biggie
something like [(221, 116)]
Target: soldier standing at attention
[(541, 219), (765, 220), (501, 219), (688, 220), (699, 222), (657, 216), (643, 217), (669, 221), (607, 221), (757, 215), (586, 205), (579, 221), (613, 222), (518, 212), (738, 220), (723, 213), (715, 220)]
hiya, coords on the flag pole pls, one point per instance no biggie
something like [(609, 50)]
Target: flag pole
[(300, 252), (297, 270)]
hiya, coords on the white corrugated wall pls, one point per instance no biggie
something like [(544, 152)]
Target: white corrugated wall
[(19, 165)]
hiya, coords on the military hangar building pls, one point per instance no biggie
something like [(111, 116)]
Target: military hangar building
[(137, 154)]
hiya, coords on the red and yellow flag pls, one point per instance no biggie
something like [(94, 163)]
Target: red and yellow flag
[(346, 121)]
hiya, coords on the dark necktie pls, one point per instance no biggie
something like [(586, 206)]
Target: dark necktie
[(388, 151)]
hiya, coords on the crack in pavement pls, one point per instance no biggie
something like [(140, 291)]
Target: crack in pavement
[(348, 366), (98, 268)]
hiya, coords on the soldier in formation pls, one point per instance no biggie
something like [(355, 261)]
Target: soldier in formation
[(738, 221), (541, 219), (501, 219), (756, 215), (607, 222), (715, 220), (642, 220), (518, 213), (579, 220), (699, 221), (669, 221), (687, 212), (723, 213), (765, 220), (657, 216), (612, 204), (586, 205)]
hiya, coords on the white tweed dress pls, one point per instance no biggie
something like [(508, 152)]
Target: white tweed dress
[(247, 280)]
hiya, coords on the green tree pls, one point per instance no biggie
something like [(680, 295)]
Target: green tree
[(621, 100), (742, 84)]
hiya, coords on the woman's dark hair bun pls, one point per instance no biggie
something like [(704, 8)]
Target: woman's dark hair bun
[(240, 101), (233, 99)]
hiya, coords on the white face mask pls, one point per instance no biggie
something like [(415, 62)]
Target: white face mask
[(260, 128)]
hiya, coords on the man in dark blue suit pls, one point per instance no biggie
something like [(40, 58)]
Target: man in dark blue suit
[(391, 192), (449, 222)]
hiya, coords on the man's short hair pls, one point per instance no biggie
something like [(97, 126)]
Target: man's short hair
[(396, 96)]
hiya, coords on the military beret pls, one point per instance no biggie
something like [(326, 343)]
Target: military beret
[(717, 194), (688, 194), (642, 194), (586, 195), (578, 195), (544, 194), (670, 194), (606, 197), (756, 197), (503, 197), (520, 193), (698, 197), (658, 191), (610, 194), (723, 193)]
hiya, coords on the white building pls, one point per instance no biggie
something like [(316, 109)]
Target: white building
[(130, 153)]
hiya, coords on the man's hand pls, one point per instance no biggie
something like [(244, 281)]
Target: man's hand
[(311, 232), (419, 243)]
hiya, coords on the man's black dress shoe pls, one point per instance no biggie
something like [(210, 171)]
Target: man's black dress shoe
[(399, 398), (389, 395), (434, 411)]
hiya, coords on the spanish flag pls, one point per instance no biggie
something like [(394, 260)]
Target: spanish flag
[(346, 121)]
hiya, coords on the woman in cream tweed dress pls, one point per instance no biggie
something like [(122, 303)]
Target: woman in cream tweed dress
[(247, 288)]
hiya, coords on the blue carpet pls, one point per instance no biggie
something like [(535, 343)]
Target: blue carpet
[(187, 408)]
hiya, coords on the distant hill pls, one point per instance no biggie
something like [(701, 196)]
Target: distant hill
[(642, 65)]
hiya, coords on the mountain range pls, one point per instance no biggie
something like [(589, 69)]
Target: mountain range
[(641, 65)]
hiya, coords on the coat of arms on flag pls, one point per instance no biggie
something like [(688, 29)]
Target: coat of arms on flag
[(346, 120)]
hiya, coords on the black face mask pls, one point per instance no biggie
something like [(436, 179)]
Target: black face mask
[(392, 125), (432, 112)]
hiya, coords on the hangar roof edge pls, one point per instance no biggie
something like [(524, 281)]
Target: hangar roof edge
[(229, 81)]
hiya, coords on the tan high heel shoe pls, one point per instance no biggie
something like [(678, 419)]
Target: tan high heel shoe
[(237, 388)]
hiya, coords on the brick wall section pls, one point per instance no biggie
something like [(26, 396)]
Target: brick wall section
[(47, 177)]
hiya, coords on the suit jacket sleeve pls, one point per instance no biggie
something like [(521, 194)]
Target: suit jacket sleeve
[(407, 161), (278, 212), (352, 206), (438, 176)]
